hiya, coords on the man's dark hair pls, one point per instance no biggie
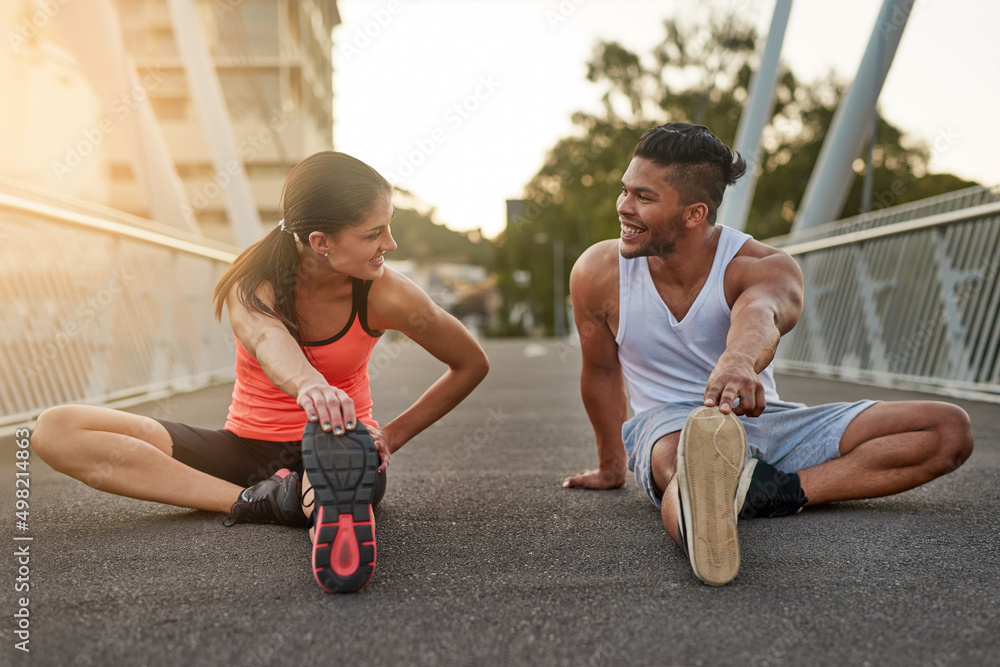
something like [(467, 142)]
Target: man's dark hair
[(699, 166)]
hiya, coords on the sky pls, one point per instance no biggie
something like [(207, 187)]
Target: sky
[(458, 102)]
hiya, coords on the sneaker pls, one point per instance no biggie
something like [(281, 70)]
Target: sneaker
[(710, 458), (766, 492), (275, 500), (343, 470)]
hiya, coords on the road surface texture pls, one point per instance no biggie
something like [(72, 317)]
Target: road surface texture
[(483, 559)]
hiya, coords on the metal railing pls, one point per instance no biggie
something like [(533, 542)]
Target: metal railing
[(105, 308), (101, 307), (923, 208), (908, 296)]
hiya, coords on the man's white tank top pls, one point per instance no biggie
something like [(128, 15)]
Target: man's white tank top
[(667, 361)]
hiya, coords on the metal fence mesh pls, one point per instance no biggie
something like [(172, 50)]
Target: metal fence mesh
[(94, 316), (897, 303)]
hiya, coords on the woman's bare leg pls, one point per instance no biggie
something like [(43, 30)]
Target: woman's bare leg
[(125, 454)]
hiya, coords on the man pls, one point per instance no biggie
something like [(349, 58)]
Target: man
[(687, 314)]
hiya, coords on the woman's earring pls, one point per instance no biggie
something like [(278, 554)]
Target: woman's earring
[(326, 254)]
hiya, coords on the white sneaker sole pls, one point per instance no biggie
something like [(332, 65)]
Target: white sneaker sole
[(741, 491), (710, 459)]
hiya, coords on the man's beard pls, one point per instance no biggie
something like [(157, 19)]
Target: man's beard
[(651, 249), (662, 245)]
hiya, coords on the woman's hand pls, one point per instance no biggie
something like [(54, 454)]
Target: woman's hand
[(381, 446), (334, 410), (331, 407)]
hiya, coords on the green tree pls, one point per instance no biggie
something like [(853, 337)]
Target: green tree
[(424, 241), (789, 155), (570, 201), (572, 198), (699, 73), (421, 239)]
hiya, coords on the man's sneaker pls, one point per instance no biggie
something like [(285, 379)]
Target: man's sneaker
[(766, 492), (275, 500), (342, 470), (710, 458)]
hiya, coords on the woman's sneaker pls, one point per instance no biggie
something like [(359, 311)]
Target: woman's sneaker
[(275, 500), (342, 470), (710, 458)]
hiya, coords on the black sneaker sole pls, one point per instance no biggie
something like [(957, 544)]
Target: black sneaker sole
[(342, 470)]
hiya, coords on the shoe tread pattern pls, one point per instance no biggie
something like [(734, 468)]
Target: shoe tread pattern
[(343, 471), (714, 452)]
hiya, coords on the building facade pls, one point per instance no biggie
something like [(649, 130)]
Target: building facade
[(78, 125), (274, 63)]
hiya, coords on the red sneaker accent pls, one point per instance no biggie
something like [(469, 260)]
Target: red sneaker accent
[(343, 553), (344, 557)]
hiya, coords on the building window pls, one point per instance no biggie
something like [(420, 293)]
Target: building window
[(250, 92), (169, 108), (249, 31), (267, 170), (121, 171)]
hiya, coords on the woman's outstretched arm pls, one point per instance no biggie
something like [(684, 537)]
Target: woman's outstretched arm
[(396, 303)]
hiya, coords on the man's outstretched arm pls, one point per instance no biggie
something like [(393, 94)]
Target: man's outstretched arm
[(768, 289), (602, 384)]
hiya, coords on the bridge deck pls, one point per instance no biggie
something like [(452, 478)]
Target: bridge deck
[(485, 559)]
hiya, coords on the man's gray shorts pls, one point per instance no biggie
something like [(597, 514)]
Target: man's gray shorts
[(789, 436)]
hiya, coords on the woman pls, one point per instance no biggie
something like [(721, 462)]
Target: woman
[(300, 446)]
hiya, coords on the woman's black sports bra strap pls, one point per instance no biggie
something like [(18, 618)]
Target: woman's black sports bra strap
[(361, 289), (356, 289), (359, 309)]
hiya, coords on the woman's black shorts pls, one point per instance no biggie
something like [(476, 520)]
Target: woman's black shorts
[(242, 461)]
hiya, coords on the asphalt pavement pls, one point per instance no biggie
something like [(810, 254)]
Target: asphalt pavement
[(483, 559)]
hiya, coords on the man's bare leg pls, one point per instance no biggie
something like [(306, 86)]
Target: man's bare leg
[(890, 448), (663, 461)]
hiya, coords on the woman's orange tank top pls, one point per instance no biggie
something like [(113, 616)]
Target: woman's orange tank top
[(261, 411)]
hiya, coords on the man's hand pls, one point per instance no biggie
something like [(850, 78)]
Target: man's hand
[(595, 479), (734, 378)]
